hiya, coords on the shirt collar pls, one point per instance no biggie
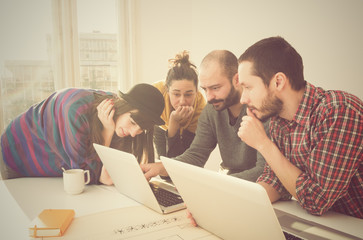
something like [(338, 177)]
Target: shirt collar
[(302, 114)]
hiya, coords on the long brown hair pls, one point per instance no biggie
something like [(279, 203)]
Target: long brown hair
[(141, 145)]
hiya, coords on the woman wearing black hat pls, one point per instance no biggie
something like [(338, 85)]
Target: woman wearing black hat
[(59, 131)]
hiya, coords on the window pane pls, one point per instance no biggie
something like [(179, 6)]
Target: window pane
[(26, 74), (98, 44)]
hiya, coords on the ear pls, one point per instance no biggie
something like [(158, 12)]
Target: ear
[(235, 80), (279, 81)]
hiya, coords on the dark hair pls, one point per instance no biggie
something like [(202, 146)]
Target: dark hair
[(226, 59), (181, 68), (141, 145), (272, 55)]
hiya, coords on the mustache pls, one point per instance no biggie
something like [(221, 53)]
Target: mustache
[(251, 107), (215, 101)]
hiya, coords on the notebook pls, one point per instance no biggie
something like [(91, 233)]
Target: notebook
[(51, 223), (129, 180), (232, 208)]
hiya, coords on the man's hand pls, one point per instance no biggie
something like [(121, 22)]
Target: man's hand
[(252, 131), (253, 134), (192, 220), (153, 169)]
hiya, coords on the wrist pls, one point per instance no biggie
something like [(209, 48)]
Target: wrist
[(264, 146), (108, 132), (174, 122), (173, 128), (107, 137), (162, 170)]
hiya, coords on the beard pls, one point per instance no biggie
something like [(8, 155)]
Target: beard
[(232, 98), (271, 106)]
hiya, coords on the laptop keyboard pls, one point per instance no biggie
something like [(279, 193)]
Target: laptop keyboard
[(164, 197), (290, 236)]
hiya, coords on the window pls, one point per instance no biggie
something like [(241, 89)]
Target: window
[(48, 45), (26, 74), (98, 44)]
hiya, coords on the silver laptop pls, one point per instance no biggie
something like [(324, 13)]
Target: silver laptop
[(129, 180), (232, 208)]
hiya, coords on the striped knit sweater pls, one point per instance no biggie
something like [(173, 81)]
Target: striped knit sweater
[(52, 134)]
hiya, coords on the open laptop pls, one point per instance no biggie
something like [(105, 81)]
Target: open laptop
[(232, 208), (129, 180)]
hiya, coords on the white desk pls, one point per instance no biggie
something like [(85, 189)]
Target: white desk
[(22, 199)]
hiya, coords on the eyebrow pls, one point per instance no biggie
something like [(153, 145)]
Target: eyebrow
[(177, 90), (212, 86)]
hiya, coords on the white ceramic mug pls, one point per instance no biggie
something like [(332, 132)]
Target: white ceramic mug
[(74, 180)]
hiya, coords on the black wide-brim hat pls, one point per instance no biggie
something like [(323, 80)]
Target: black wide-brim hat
[(148, 100)]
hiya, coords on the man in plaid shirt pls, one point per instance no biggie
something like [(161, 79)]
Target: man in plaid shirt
[(315, 150)]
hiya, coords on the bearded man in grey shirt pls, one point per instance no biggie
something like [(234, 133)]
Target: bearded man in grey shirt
[(219, 122)]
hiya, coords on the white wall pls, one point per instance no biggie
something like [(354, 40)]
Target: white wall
[(327, 33)]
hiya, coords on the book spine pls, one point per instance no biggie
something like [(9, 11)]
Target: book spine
[(67, 223)]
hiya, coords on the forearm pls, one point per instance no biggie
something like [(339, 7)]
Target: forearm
[(283, 168), (203, 143), (271, 192), (107, 137), (250, 174), (253, 173), (173, 128), (105, 177), (195, 156)]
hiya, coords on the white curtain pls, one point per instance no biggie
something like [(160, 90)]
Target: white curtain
[(65, 61), (127, 45)]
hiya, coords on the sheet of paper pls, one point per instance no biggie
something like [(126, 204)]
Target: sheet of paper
[(135, 223)]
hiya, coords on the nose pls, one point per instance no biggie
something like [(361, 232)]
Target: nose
[(135, 131), (244, 99), (209, 95), (182, 100)]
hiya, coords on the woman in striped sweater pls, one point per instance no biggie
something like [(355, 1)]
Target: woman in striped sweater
[(59, 132)]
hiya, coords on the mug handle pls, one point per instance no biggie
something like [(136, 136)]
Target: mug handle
[(88, 176)]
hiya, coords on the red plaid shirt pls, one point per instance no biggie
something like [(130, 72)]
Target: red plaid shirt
[(324, 140)]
